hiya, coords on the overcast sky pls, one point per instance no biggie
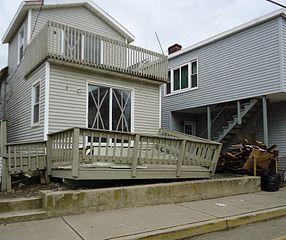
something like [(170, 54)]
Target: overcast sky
[(176, 21)]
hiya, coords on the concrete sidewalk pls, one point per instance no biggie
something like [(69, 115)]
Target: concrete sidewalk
[(171, 221)]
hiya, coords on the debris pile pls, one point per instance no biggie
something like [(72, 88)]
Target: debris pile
[(248, 158)]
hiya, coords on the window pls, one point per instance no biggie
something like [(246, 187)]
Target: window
[(21, 44), (109, 108), (168, 84), (194, 74), (183, 77), (190, 127), (36, 104)]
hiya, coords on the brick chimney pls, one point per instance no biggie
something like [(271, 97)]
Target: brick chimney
[(174, 48)]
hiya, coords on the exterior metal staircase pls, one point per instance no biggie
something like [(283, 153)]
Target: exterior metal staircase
[(234, 122)]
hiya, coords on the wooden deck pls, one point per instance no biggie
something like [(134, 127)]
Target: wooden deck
[(64, 44), (89, 154)]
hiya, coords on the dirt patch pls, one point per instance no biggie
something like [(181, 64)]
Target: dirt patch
[(32, 190)]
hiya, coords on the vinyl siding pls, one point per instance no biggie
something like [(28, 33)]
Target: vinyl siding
[(13, 50), (18, 94), (240, 66), (277, 131), (68, 107), (19, 106), (78, 17)]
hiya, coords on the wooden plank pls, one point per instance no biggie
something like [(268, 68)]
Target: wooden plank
[(135, 156), (215, 159), (107, 147), (3, 142), (91, 146), (121, 148), (4, 174), (75, 153), (37, 155), (15, 159), (181, 157), (29, 157), (114, 147), (128, 149), (9, 159), (21, 158)]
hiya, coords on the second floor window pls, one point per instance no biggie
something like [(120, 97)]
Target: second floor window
[(21, 44), (36, 104), (183, 77)]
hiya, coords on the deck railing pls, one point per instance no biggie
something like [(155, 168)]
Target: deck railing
[(204, 149), (25, 157), (78, 148), (69, 44)]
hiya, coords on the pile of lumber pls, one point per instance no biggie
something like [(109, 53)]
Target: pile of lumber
[(246, 158)]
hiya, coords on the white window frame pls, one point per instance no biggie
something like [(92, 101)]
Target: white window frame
[(189, 88), (110, 99), (38, 83), (193, 124), (21, 43)]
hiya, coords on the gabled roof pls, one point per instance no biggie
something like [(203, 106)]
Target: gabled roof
[(48, 4), (257, 21)]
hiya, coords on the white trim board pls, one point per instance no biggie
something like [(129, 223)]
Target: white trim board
[(47, 98), (29, 26)]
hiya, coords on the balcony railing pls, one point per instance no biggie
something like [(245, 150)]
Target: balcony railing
[(62, 42)]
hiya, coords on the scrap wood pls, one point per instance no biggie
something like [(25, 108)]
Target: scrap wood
[(262, 158), (240, 158)]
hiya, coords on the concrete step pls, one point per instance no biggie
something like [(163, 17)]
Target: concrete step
[(22, 216), (19, 204)]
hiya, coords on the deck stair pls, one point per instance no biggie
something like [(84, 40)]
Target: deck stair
[(21, 209), (233, 123)]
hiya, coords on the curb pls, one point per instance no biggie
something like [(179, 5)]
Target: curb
[(190, 230)]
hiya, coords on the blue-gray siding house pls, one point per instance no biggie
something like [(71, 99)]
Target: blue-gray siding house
[(231, 85)]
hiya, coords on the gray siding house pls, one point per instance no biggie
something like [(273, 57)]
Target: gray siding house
[(231, 85), (71, 65)]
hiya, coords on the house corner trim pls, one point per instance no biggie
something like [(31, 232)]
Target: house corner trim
[(47, 95)]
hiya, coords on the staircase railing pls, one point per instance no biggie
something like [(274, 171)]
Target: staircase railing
[(221, 111)]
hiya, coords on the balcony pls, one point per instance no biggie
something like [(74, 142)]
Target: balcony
[(62, 43)]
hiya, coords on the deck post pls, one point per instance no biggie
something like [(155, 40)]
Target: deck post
[(209, 122), (49, 148), (135, 155), (181, 157), (5, 183), (215, 159), (265, 121), (238, 113), (75, 153)]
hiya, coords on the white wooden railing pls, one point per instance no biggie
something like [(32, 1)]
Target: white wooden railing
[(81, 147), (26, 157), (63, 42), (77, 148)]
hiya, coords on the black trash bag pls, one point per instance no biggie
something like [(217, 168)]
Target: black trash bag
[(270, 182)]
